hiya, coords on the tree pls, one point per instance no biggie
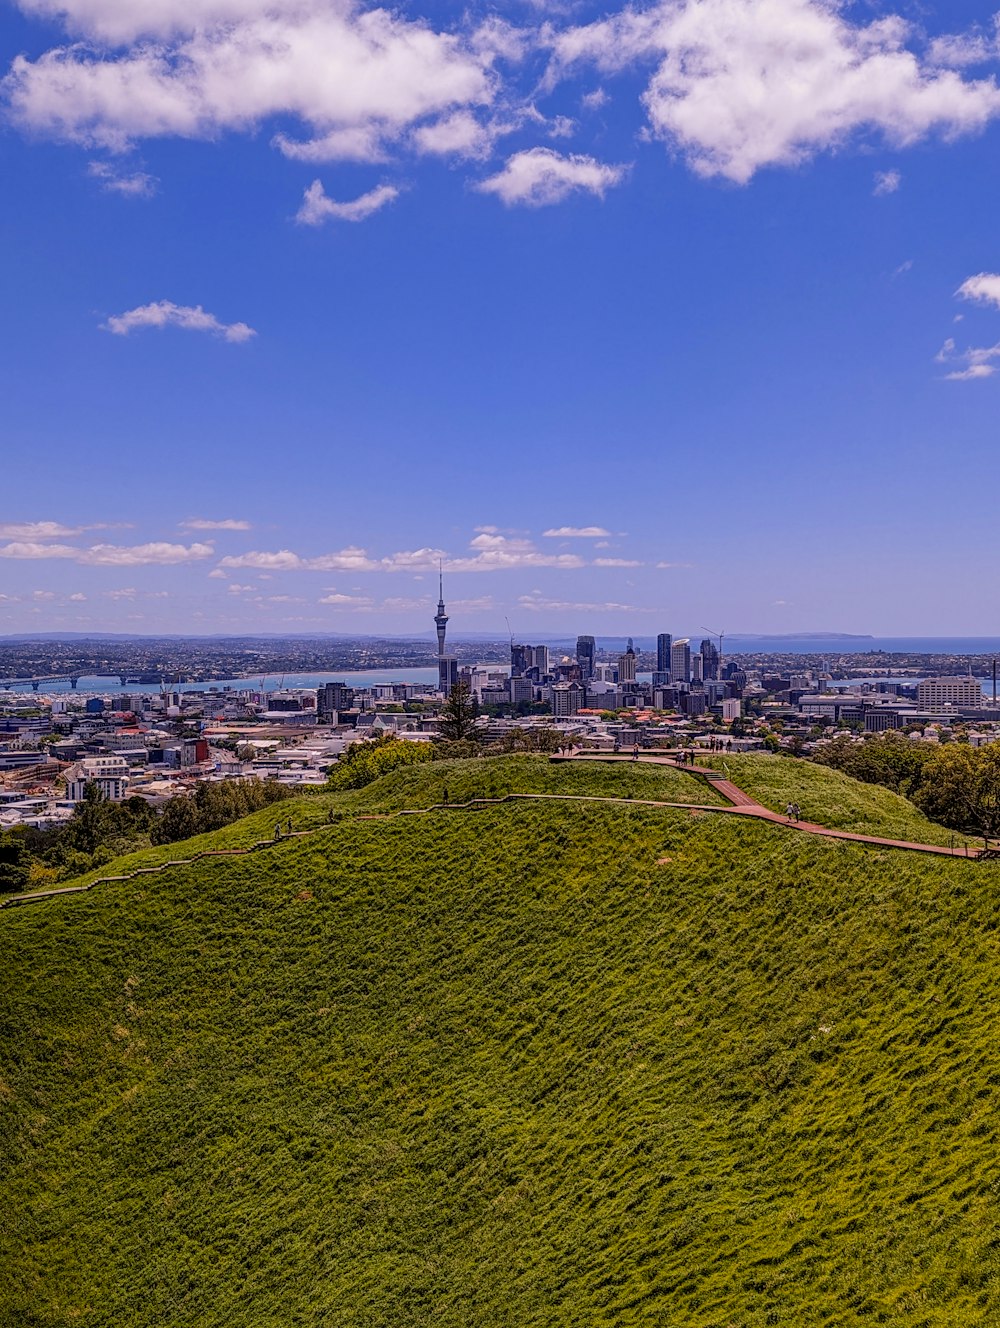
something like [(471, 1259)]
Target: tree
[(15, 863), (364, 762), (961, 788), (458, 715)]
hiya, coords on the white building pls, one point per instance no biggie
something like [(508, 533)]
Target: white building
[(949, 693), (109, 773)]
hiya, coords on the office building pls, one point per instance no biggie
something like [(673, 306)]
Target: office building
[(710, 659), (626, 664), (521, 689), (949, 693), (680, 661), (519, 660), (585, 649), (664, 644), (540, 659)]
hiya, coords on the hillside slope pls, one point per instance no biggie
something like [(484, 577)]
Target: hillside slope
[(832, 798), (543, 1064)]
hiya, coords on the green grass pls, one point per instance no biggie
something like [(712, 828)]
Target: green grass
[(533, 1066), (830, 798), (424, 785)]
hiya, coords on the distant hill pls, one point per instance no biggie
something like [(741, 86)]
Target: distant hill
[(549, 1063)]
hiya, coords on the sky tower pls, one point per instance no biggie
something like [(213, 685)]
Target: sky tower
[(441, 618), (447, 664)]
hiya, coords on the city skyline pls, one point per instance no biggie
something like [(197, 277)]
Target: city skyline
[(591, 308)]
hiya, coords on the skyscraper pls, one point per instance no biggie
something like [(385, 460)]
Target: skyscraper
[(663, 644), (680, 661), (626, 664), (585, 656), (710, 659)]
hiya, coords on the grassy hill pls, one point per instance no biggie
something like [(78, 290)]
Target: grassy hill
[(544, 1064), (831, 798), (424, 785)]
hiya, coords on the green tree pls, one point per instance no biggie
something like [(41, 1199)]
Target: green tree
[(961, 788), (364, 762), (458, 715), (15, 863)]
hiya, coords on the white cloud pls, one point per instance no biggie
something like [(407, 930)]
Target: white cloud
[(664, 567), (128, 593), (343, 601), (886, 182), (133, 184), (354, 77), (540, 176), (982, 289), (459, 134), (43, 594), (959, 50), (37, 530), (317, 207), (110, 555), (164, 313), (594, 101), (234, 588), (537, 603), (488, 552), (743, 84), (77, 598), (974, 363), (284, 560), (200, 523), (577, 532), (616, 562)]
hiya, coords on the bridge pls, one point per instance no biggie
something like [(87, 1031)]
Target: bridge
[(144, 679)]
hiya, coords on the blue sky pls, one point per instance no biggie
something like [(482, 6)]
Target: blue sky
[(299, 297)]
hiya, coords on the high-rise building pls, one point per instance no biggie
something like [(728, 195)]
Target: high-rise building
[(331, 699), (663, 644), (585, 649), (519, 656), (680, 660), (540, 659), (626, 664), (566, 698), (710, 659)]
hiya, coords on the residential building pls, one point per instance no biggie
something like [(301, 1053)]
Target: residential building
[(109, 773), (331, 699), (566, 698)]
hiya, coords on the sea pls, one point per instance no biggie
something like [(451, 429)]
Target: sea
[(830, 647)]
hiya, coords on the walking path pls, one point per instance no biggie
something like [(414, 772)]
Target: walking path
[(740, 804), (745, 805)]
